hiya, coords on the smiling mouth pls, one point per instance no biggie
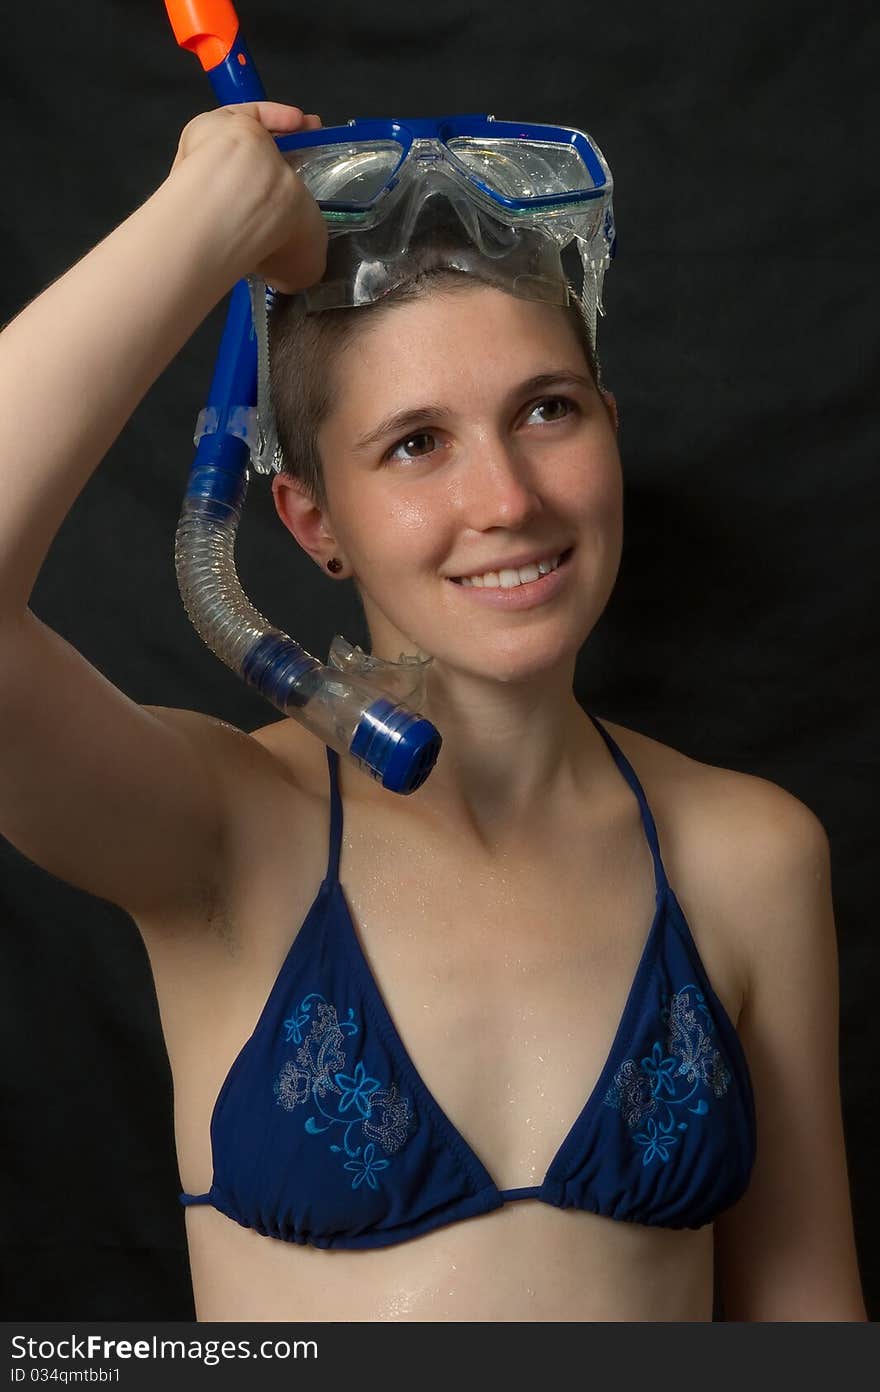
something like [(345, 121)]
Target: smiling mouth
[(518, 583)]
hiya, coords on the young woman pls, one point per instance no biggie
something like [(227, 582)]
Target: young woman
[(541, 1040)]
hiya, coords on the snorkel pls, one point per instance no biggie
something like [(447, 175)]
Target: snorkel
[(378, 183)]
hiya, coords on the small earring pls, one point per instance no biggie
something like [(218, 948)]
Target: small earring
[(334, 565)]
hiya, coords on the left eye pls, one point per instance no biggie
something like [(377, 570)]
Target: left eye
[(554, 401), (428, 435)]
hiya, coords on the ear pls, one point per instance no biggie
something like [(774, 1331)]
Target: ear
[(611, 403), (304, 519)]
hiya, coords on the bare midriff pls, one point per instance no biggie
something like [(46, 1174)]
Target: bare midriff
[(526, 1261)]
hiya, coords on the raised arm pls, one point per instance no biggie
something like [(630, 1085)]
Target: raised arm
[(124, 801)]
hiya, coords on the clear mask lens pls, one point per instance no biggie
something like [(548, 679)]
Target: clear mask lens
[(524, 169), (347, 174)]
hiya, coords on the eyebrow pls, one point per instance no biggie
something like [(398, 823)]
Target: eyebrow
[(422, 415)]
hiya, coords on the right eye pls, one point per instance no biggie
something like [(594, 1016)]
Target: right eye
[(407, 440)]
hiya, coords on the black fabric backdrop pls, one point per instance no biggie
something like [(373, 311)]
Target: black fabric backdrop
[(742, 343)]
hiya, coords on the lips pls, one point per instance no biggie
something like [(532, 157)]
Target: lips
[(517, 563), (529, 595)]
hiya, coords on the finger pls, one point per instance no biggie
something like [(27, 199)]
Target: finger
[(272, 115), (312, 122)]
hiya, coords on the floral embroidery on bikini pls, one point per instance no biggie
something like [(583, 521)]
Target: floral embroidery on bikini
[(341, 1091), (684, 1061)]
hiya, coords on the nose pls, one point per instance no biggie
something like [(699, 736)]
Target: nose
[(500, 487)]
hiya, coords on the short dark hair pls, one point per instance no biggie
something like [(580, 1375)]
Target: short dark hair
[(304, 349)]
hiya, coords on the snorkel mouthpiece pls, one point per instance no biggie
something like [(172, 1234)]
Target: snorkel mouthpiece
[(395, 745)]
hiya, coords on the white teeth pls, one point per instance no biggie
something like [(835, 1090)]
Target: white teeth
[(508, 579)]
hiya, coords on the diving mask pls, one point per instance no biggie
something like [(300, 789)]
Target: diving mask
[(497, 198)]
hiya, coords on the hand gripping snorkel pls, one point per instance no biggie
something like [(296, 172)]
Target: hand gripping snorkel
[(494, 197)]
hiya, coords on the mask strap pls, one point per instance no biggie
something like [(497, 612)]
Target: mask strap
[(266, 455)]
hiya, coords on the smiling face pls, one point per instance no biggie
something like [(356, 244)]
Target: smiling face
[(446, 456)]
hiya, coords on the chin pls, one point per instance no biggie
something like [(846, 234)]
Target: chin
[(512, 666)]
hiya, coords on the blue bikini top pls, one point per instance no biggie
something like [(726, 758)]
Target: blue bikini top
[(324, 1133)]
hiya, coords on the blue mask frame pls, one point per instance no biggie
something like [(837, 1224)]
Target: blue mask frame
[(406, 131)]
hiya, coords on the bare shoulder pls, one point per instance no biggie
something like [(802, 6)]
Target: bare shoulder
[(738, 847), (292, 752), (764, 817)]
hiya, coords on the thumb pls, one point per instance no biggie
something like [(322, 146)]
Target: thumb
[(276, 117)]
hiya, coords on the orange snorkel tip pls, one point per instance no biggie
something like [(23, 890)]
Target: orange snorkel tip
[(206, 27)]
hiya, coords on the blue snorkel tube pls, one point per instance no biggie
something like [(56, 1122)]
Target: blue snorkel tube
[(363, 720)]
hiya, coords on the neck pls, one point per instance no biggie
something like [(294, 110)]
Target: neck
[(509, 750)]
